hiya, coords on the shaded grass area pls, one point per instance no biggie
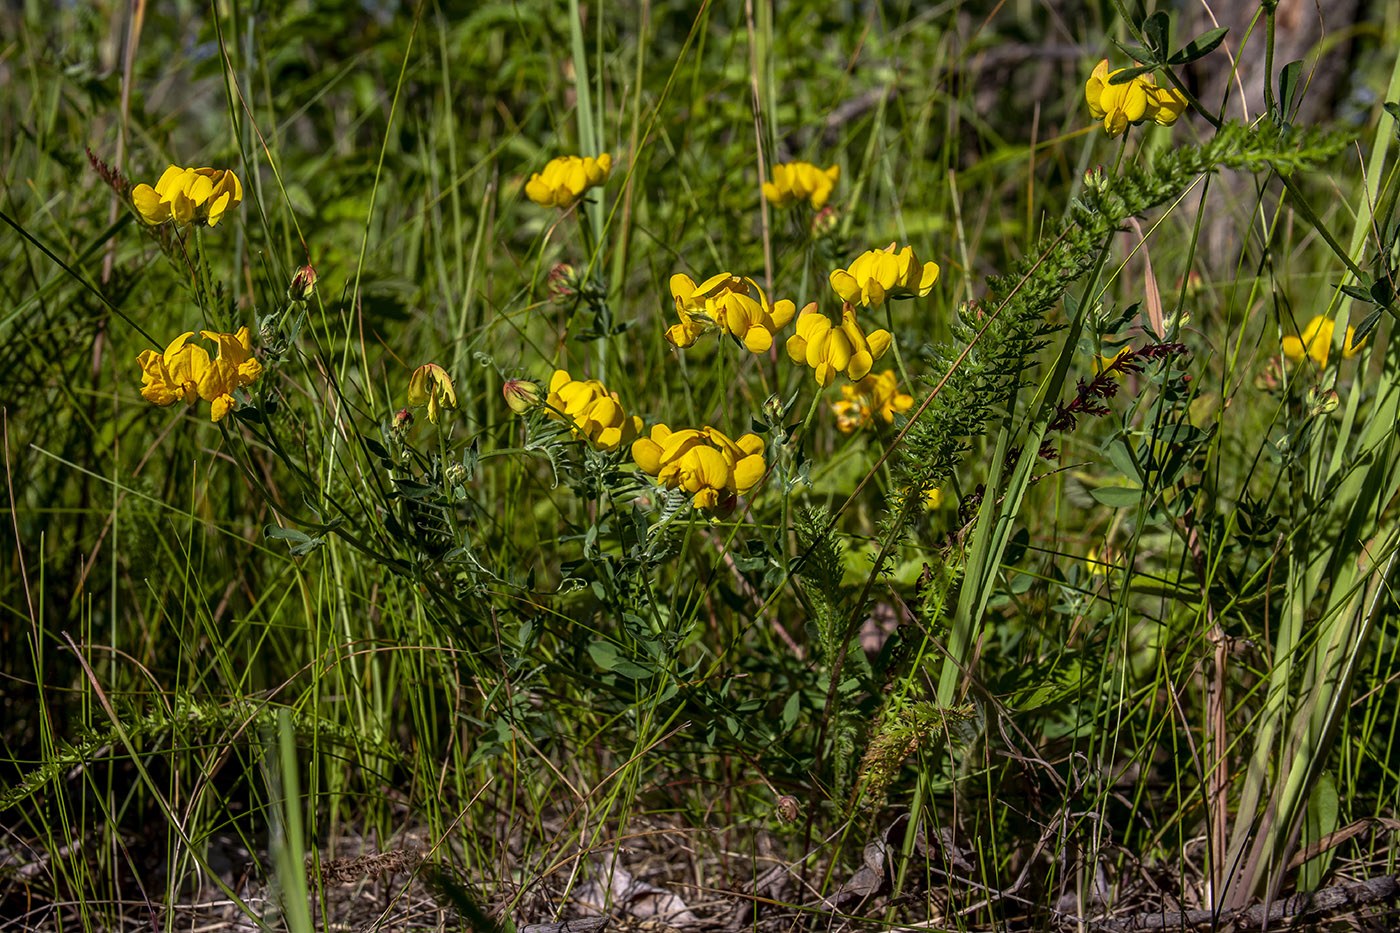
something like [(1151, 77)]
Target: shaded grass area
[(318, 663)]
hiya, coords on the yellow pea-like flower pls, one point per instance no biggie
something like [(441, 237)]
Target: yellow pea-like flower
[(184, 372), (185, 195), (880, 274), (704, 462), (595, 412), (835, 348), (1316, 342), (875, 396), (566, 178), (729, 303), (801, 181), (431, 386), (1130, 102)]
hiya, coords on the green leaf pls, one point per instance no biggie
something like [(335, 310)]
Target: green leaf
[(1199, 47), (1368, 324), (1136, 52), (1320, 819), (1122, 458), (1357, 292), (1128, 74), (1157, 30), (606, 656), (1117, 497), (1288, 87)]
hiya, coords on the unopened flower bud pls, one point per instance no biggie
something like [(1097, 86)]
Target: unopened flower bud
[(403, 420), (303, 284), (521, 395), (562, 282), (1096, 179), (1322, 401), (788, 809), (824, 222), (457, 474)]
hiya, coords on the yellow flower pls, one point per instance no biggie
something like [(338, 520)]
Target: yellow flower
[(1316, 342), (728, 303), (565, 179), (235, 366), (430, 385), (1165, 104), (835, 348), (797, 181), (872, 396), (184, 371), (933, 498), (704, 462), (1131, 102), (172, 376), (595, 411), (188, 194), (878, 274)]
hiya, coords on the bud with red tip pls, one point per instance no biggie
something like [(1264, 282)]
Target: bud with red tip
[(303, 284), (521, 395)]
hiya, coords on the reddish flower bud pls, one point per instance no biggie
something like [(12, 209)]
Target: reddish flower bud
[(303, 284)]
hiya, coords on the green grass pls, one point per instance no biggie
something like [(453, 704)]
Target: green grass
[(1140, 658)]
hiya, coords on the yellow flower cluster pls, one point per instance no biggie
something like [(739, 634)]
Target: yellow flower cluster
[(874, 396), (726, 302), (187, 194), (185, 373), (1135, 100), (1316, 342), (879, 274), (835, 348), (431, 386), (799, 181), (565, 179), (595, 411), (704, 462)]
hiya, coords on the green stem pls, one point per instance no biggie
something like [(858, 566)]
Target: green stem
[(894, 344)]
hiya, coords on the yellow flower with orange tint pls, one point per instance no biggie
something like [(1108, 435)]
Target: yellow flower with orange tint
[(1316, 342), (704, 462), (565, 179), (726, 302), (870, 398), (1129, 102), (183, 372), (431, 386), (878, 274), (595, 412), (188, 194), (801, 181), (835, 348)]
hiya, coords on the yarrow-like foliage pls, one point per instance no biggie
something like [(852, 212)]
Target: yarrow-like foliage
[(801, 181), (871, 398), (183, 372), (879, 274), (1130, 102), (595, 412), (726, 302), (188, 194), (566, 178), (835, 348), (1013, 318), (703, 462), (1316, 342)]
